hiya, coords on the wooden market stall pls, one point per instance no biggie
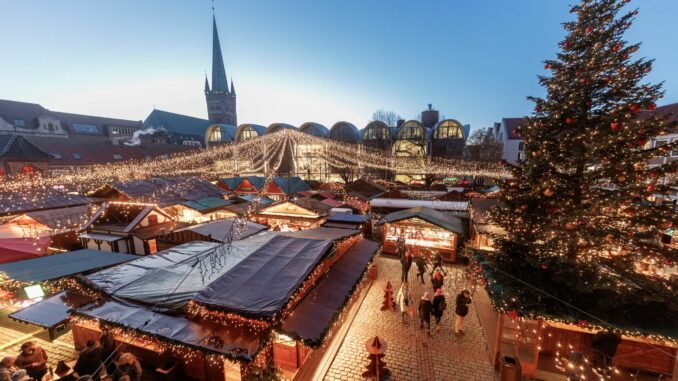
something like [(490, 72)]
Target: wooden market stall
[(220, 322), (424, 229), (305, 213)]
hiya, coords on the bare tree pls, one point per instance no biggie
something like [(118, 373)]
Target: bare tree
[(389, 117), (482, 146)]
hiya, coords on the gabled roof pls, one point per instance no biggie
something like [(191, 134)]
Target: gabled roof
[(207, 204), (445, 221), (121, 217), (312, 204), (12, 110), (225, 230), (291, 209), (62, 218), (263, 200), (288, 185), (178, 123), (365, 190), (21, 202), (511, 125), (17, 147), (164, 191)]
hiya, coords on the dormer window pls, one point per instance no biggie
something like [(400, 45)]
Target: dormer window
[(117, 156), (19, 123), (77, 156)]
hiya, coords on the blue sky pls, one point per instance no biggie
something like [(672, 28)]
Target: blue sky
[(300, 60)]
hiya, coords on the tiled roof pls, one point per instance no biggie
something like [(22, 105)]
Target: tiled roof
[(17, 147), (289, 185), (68, 121), (12, 110), (62, 218), (186, 125), (77, 152), (168, 190)]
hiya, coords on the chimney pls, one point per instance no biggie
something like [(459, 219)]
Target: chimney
[(430, 117)]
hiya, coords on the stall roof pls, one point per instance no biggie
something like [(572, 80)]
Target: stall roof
[(262, 284), (51, 311), (61, 265), (480, 209), (236, 342), (207, 204), (435, 217), (311, 318), (220, 230), (263, 200), (355, 218), (62, 218), (393, 203), (171, 277), (321, 233), (21, 202)]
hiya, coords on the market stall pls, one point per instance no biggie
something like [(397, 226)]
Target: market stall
[(425, 230)]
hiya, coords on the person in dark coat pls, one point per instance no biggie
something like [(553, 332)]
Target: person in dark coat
[(461, 310), (604, 345), (438, 307), (32, 358), (89, 359), (437, 280), (406, 264), (425, 307), (421, 267), (437, 263), (128, 365), (108, 352)]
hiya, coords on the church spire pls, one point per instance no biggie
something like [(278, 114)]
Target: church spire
[(232, 88), (207, 85), (219, 80)]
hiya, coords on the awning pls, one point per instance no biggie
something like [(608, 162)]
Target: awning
[(321, 233), (61, 265), (223, 230), (52, 311), (102, 237), (262, 284), (393, 203), (312, 317), (237, 342), (445, 221), (20, 249), (354, 218)]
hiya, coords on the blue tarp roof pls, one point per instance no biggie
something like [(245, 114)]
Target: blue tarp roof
[(289, 185), (61, 265)]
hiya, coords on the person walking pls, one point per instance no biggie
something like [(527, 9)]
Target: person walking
[(33, 359), (406, 265), (437, 264), (403, 299), (421, 268), (461, 310), (425, 312), (439, 305), (437, 280), (89, 359), (7, 368), (128, 365)]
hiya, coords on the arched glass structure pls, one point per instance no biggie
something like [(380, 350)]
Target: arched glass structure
[(448, 129), (248, 131), (345, 132), (377, 130), (314, 129), (275, 127), (219, 133)]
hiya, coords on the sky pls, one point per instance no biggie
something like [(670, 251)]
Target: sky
[(295, 61)]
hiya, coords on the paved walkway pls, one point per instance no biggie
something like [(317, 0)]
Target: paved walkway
[(412, 355)]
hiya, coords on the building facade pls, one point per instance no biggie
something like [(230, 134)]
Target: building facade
[(506, 133), (221, 106)]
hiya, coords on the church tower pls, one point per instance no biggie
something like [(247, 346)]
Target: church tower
[(220, 101)]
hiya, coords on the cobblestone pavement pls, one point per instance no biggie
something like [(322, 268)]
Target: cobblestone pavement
[(13, 334), (412, 354)]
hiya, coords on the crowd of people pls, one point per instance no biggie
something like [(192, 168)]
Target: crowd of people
[(96, 362), (431, 303)]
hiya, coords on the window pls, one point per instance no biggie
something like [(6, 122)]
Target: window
[(215, 135), (410, 132), (85, 128), (152, 219), (50, 127), (449, 130), (659, 143), (57, 156), (674, 152), (19, 123), (521, 146), (117, 156), (248, 133), (377, 134), (77, 156)]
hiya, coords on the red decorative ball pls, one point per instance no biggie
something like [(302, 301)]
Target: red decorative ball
[(589, 30), (513, 314), (651, 188), (635, 107), (567, 45), (615, 126), (647, 69), (537, 108), (548, 66), (616, 47), (544, 266), (583, 81), (641, 141), (569, 120), (652, 107)]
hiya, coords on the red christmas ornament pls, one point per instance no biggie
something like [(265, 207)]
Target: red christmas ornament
[(567, 45), (583, 81), (616, 47), (537, 108), (641, 142), (544, 266), (569, 120), (647, 69), (628, 24), (513, 314), (651, 188), (635, 108), (652, 107), (582, 323), (609, 79), (589, 30), (615, 126), (548, 67), (577, 74)]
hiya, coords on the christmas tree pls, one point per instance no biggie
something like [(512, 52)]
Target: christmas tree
[(583, 195)]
